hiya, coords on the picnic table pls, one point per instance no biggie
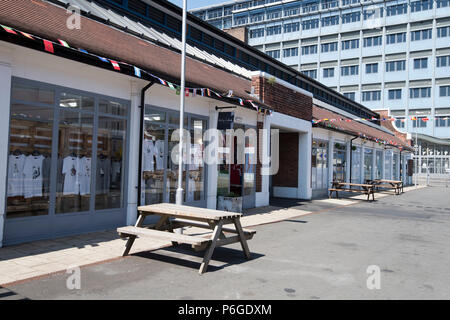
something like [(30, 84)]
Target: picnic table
[(337, 186), (174, 216), (397, 185)]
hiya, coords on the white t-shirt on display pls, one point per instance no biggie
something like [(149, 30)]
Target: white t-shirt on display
[(71, 171), (149, 153), (33, 179), (85, 176), (159, 154), (15, 175)]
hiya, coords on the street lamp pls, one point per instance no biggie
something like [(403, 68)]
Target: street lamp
[(179, 194)]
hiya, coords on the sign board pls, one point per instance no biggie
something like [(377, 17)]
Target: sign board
[(225, 121)]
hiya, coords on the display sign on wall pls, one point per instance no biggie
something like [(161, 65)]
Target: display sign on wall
[(225, 121)]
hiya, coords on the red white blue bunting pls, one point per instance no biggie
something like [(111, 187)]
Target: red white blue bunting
[(49, 46)]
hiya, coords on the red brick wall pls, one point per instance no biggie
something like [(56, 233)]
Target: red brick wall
[(388, 125), (283, 99), (287, 175), (239, 33)]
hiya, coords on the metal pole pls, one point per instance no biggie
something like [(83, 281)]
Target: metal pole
[(417, 159), (179, 194)]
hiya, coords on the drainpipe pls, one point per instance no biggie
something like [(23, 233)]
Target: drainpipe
[(141, 139), (351, 156), (401, 165)]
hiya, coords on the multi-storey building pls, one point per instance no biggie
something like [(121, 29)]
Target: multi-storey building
[(387, 55)]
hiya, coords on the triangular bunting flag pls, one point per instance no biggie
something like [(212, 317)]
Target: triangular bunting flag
[(8, 29), (115, 65), (49, 46)]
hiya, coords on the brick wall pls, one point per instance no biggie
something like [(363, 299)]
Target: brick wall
[(283, 99), (287, 175), (388, 125), (239, 33)]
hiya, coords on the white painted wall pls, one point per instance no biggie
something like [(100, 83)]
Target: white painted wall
[(263, 198)]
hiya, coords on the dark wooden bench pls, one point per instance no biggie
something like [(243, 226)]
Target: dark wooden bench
[(395, 185), (367, 189)]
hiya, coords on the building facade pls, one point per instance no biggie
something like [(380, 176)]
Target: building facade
[(89, 116), (386, 55)]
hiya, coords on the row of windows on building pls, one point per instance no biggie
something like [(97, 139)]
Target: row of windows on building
[(350, 17), (439, 121), (370, 68), (394, 94), (400, 37), (308, 7)]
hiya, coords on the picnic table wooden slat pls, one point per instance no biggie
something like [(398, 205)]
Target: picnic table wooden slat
[(163, 235), (187, 211)]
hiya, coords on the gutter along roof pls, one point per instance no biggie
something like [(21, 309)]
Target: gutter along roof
[(350, 126), (42, 18)]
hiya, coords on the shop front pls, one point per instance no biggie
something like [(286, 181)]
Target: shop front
[(66, 164), (159, 171)]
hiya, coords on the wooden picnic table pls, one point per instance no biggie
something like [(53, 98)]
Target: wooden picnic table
[(397, 185), (365, 188), (175, 216)]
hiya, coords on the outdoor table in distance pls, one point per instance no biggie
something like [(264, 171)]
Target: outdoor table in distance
[(174, 216), (367, 189), (397, 185)]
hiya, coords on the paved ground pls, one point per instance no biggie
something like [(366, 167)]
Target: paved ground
[(316, 256)]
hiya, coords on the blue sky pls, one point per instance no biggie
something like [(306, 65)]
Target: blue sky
[(192, 4)]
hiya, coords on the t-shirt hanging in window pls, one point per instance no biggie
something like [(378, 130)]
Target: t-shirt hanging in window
[(33, 177), (159, 153), (85, 176), (71, 171), (15, 175), (149, 154), (103, 175)]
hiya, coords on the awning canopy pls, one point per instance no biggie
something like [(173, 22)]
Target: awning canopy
[(336, 121)]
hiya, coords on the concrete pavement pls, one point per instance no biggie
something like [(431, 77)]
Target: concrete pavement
[(314, 256)]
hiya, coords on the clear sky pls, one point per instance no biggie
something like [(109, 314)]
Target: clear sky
[(192, 4)]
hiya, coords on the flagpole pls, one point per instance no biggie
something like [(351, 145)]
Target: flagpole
[(179, 194)]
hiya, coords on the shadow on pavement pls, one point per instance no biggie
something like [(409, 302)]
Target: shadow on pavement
[(6, 294), (228, 256)]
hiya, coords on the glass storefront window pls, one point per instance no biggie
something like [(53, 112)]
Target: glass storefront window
[(250, 160), (388, 164), (112, 107), (29, 161), (41, 182), (339, 162), (28, 93), (160, 173), (356, 164), (395, 166), (73, 101), (196, 176), (110, 158), (368, 164), (319, 164), (73, 190), (153, 160), (379, 163)]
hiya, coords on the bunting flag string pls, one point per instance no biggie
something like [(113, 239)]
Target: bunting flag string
[(391, 119), (49, 46)]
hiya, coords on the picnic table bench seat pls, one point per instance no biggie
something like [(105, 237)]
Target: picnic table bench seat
[(367, 189), (396, 185), (160, 235)]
